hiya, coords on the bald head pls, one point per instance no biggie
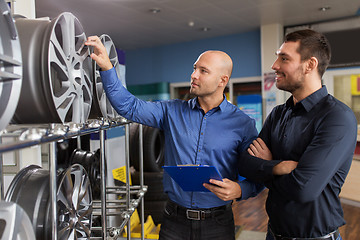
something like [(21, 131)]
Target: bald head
[(221, 60), (212, 71)]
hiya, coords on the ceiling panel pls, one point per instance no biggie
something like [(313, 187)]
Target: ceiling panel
[(131, 25)]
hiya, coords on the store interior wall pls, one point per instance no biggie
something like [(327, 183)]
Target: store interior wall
[(174, 63), (25, 8)]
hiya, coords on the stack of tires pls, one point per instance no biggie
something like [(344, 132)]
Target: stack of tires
[(153, 152)]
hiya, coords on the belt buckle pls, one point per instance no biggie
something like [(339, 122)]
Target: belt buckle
[(193, 214)]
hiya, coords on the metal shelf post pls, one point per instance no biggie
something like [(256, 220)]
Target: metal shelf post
[(141, 169), (127, 164), (53, 189), (103, 183)]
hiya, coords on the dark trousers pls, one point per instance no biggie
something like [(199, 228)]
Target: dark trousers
[(218, 224), (270, 236)]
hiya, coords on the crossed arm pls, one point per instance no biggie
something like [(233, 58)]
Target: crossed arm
[(229, 190), (259, 149)]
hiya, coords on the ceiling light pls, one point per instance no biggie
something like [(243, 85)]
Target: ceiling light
[(154, 10), (191, 23), (324, 9), (204, 29)]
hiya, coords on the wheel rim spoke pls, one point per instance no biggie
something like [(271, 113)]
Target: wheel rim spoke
[(71, 72), (77, 186)]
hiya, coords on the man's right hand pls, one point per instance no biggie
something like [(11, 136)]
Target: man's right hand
[(259, 149), (99, 55)]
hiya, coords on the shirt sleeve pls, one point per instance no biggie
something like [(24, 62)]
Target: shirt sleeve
[(330, 150), (250, 189), (257, 169), (127, 105)]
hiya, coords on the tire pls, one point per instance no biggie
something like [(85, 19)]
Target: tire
[(154, 181), (154, 141), (155, 198), (134, 145), (155, 209), (153, 148)]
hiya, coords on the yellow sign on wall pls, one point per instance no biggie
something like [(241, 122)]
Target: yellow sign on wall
[(355, 85)]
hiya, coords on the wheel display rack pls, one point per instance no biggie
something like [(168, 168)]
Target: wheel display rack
[(32, 135)]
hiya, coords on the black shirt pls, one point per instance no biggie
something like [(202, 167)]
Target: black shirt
[(320, 133)]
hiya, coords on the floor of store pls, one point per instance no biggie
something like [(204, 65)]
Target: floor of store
[(250, 215)]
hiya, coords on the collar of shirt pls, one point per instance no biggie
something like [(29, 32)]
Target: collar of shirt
[(195, 103), (310, 101)]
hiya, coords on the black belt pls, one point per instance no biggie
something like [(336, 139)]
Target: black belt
[(331, 236), (197, 214)]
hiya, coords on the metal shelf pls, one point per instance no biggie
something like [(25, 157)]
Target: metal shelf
[(31, 135)]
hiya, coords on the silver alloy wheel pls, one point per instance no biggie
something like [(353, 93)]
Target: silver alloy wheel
[(102, 106), (30, 189), (10, 66), (58, 71), (91, 162), (14, 222), (74, 202)]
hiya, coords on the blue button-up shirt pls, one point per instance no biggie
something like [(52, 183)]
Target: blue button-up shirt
[(191, 137)]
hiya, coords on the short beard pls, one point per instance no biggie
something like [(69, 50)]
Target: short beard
[(292, 87)]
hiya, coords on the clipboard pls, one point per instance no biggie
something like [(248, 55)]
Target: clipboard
[(191, 177)]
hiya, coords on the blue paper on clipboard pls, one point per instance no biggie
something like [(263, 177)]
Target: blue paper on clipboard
[(191, 177)]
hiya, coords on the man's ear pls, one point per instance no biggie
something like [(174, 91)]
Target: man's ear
[(312, 64), (224, 80)]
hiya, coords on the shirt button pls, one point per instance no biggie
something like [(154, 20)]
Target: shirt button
[(204, 118), (202, 133), (199, 150)]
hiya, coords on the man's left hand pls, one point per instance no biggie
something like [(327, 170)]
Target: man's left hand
[(226, 190)]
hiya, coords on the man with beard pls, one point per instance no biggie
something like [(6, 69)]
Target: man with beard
[(312, 134)]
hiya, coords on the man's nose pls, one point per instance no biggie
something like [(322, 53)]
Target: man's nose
[(194, 74), (275, 65)]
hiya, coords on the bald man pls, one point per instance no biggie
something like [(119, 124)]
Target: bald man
[(206, 130)]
